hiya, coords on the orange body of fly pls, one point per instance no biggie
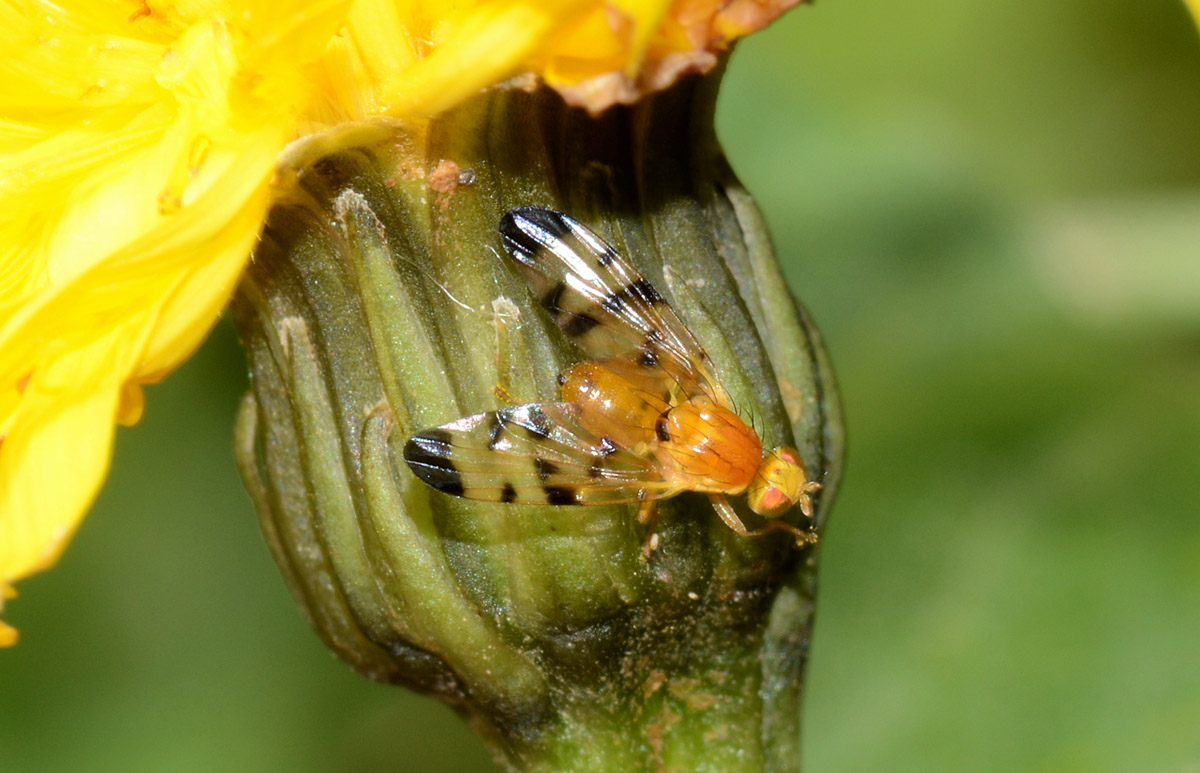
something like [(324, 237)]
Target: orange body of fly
[(711, 447), (627, 401), (699, 445)]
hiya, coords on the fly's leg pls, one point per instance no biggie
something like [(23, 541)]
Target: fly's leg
[(725, 510), (803, 536), (503, 395), (647, 511), (503, 310)]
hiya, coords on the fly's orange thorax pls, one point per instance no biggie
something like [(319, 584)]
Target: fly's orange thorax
[(626, 401), (712, 449)]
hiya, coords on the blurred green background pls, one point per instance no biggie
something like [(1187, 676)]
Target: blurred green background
[(993, 212)]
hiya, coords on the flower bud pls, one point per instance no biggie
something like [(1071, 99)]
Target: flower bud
[(380, 303)]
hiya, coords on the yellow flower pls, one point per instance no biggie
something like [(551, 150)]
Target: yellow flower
[(139, 143), (1194, 7)]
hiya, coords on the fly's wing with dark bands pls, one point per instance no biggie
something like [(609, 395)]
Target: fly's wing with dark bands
[(540, 453), (600, 301)]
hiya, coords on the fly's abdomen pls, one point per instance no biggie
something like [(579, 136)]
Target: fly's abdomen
[(623, 406)]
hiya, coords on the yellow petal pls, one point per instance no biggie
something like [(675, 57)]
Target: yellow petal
[(130, 224), (8, 634), (46, 489), (480, 48)]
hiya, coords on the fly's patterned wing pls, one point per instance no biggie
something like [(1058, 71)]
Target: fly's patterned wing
[(539, 453), (600, 301)]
